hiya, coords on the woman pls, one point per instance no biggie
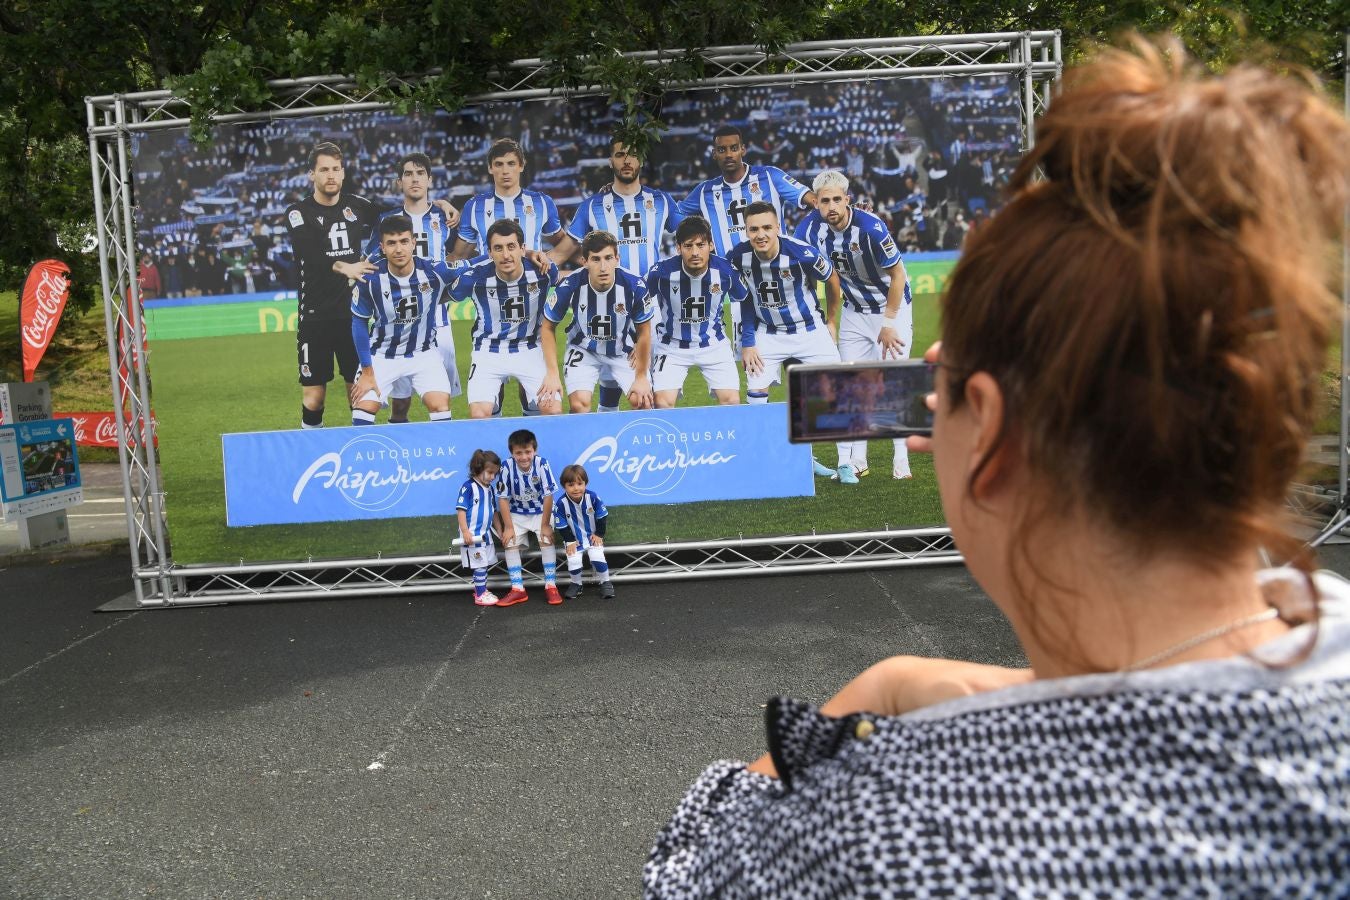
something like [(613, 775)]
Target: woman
[(1130, 368)]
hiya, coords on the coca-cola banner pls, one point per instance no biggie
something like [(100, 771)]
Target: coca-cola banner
[(44, 298), (97, 429)]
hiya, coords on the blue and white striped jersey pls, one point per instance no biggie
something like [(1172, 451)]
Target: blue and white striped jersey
[(690, 307), (526, 490), (603, 322), (433, 237), (479, 502), (403, 306), (580, 516), (861, 254), (637, 222), (536, 213), (508, 311), (783, 289), (723, 204)]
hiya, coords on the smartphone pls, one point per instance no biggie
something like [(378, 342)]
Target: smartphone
[(859, 400)]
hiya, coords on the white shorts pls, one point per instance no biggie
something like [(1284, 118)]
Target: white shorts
[(526, 524), (480, 556), (492, 370), (402, 389), (422, 371), (582, 369), (775, 349), (858, 336), (671, 364)]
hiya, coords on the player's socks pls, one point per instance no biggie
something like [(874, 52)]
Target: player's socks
[(438, 416), (610, 395), (361, 417), (574, 567), (900, 468), (400, 421), (845, 450), (479, 582), (514, 568), (860, 456), (549, 554), (756, 397), (311, 418), (598, 563)]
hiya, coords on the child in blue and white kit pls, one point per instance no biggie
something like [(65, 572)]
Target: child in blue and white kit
[(475, 509), (579, 521)]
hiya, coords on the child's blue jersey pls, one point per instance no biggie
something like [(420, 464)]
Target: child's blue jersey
[(536, 213), (603, 322), (783, 288), (525, 491), (479, 502), (723, 204), (404, 307), (637, 223), (509, 312), (690, 307), (861, 254), (581, 516)]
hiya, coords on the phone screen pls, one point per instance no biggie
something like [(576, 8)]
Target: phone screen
[(859, 400)]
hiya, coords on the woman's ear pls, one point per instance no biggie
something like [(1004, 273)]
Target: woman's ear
[(990, 451)]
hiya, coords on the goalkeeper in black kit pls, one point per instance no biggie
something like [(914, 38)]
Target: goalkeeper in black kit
[(327, 231)]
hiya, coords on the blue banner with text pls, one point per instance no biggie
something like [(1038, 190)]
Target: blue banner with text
[(393, 471)]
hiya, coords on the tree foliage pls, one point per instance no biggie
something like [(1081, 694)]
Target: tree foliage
[(220, 54)]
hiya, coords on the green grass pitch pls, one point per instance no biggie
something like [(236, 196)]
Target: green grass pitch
[(203, 387)]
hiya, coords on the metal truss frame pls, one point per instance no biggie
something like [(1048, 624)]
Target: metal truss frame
[(113, 122)]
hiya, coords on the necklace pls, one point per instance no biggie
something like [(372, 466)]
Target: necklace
[(1202, 637)]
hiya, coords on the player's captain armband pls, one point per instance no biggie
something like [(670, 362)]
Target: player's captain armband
[(297, 218), (888, 246)]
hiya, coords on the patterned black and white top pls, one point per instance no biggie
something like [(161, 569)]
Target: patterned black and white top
[(1224, 778)]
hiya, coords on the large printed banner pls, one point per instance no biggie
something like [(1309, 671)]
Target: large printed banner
[(393, 471)]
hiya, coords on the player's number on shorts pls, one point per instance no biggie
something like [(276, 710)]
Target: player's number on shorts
[(601, 328), (407, 310), (304, 353), (573, 359)]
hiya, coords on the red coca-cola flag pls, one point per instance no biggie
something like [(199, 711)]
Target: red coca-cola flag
[(44, 299)]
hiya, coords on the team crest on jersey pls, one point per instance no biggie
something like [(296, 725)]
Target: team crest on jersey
[(426, 288), (297, 218), (435, 224), (754, 187), (853, 246), (529, 209), (532, 288), (650, 204), (620, 308), (715, 288), (348, 214)]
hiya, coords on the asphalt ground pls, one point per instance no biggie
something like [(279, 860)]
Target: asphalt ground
[(410, 746)]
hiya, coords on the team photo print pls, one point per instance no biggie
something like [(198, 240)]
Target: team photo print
[(317, 282)]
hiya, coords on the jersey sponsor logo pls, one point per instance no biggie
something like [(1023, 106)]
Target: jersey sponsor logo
[(297, 218), (348, 214), (373, 472), (770, 295), (651, 457)]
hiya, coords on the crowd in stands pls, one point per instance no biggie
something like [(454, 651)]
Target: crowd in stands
[(929, 156)]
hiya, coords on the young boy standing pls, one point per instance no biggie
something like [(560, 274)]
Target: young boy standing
[(525, 489), (579, 519)]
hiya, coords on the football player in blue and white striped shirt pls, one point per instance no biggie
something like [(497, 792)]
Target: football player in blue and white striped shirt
[(782, 320), (878, 317), (475, 510), (536, 212), (611, 321), (401, 295), (433, 224), (635, 214), (579, 522), (688, 291), (525, 489), (724, 200), (510, 297)]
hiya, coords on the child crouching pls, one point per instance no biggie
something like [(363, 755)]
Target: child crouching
[(579, 520)]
